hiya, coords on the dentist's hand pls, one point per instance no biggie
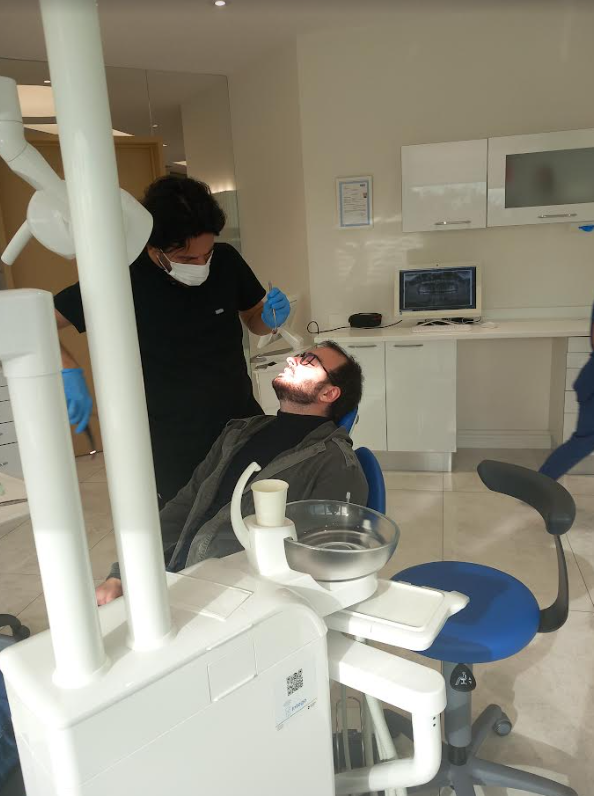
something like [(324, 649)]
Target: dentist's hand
[(277, 301), (78, 399), (108, 591)]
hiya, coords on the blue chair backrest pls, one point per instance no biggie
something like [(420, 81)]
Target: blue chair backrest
[(375, 479), (348, 421)]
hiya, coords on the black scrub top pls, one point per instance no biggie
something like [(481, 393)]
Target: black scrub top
[(190, 337)]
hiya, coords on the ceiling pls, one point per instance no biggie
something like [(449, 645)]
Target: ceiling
[(192, 35)]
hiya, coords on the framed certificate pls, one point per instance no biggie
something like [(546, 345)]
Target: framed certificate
[(354, 198)]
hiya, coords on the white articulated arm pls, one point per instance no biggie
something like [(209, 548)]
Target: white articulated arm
[(414, 688), (30, 355), (22, 158), (48, 214)]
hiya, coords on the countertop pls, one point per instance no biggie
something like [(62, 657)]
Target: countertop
[(501, 330)]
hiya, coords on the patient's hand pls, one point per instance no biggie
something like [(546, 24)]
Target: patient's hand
[(110, 590)]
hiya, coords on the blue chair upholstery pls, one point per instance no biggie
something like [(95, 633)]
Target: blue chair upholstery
[(376, 498), (501, 618), (348, 421)]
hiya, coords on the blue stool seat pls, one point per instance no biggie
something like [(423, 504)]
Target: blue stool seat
[(501, 618)]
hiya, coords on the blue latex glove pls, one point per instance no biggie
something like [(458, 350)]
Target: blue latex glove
[(277, 301), (78, 399)]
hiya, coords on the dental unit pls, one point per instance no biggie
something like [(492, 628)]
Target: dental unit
[(217, 679)]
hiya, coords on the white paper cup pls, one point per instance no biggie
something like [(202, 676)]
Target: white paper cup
[(270, 500)]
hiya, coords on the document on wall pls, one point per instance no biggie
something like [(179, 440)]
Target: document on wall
[(354, 202)]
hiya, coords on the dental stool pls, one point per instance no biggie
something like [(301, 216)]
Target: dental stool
[(501, 619)]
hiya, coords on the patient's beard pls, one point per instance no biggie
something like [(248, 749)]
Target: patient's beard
[(304, 393)]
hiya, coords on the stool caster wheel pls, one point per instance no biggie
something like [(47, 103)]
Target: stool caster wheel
[(502, 726)]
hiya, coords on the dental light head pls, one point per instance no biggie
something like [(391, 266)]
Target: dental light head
[(48, 214)]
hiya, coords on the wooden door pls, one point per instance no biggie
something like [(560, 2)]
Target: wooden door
[(139, 162)]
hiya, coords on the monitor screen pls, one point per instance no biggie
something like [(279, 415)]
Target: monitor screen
[(435, 289), (558, 177)]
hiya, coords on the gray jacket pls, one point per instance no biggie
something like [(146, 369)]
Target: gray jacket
[(322, 466)]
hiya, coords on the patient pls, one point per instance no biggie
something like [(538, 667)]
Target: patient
[(302, 445)]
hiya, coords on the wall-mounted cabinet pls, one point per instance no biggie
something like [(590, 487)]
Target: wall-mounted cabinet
[(444, 186), (541, 179), (545, 178)]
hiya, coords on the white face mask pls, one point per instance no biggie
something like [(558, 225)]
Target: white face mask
[(191, 275)]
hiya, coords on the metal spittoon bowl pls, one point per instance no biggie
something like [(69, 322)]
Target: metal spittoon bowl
[(339, 541)]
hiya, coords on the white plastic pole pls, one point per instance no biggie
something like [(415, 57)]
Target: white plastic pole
[(73, 40), (30, 353)]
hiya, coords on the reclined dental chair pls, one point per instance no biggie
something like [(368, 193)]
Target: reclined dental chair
[(501, 619)]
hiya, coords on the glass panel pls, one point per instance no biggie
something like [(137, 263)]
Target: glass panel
[(559, 177)]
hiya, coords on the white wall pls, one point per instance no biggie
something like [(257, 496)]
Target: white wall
[(435, 73), (267, 145), (440, 75)]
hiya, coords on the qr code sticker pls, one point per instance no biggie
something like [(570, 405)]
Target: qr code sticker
[(294, 682)]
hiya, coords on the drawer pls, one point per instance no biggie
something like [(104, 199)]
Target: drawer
[(7, 433), (5, 412), (571, 404), (4, 396), (579, 345), (10, 461), (577, 360), (570, 376), (2, 378)]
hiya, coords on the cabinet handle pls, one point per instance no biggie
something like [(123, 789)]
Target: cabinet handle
[(366, 345), (408, 345), (448, 223), (558, 215)]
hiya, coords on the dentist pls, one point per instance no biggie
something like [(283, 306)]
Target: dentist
[(190, 296)]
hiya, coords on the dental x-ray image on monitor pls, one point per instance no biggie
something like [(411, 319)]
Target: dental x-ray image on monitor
[(436, 291)]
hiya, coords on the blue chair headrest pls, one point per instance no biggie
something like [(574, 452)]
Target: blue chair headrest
[(348, 421), (376, 498)]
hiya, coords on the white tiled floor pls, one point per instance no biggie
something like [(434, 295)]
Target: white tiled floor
[(548, 689)]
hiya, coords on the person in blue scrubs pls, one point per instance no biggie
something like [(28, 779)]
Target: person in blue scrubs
[(581, 442)]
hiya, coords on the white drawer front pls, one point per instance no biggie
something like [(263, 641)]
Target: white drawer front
[(10, 461), (579, 345), (7, 433), (570, 377), (4, 396), (577, 360), (571, 403), (5, 412)]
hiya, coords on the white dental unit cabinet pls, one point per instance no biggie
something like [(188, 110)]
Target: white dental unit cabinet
[(215, 680), (409, 405)]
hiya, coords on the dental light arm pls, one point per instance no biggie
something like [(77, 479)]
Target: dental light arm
[(409, 686), (22, 158), (48, 214)]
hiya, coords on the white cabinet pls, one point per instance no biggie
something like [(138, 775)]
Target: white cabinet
[(444, 186), (370, 430), (421, 396), (541, 179)]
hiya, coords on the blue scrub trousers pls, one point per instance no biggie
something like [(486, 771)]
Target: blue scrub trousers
[(581, 442), (9, 756)]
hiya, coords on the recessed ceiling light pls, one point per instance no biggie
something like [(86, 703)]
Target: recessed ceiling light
[(47, 82), (220, 3), (164, 144)]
